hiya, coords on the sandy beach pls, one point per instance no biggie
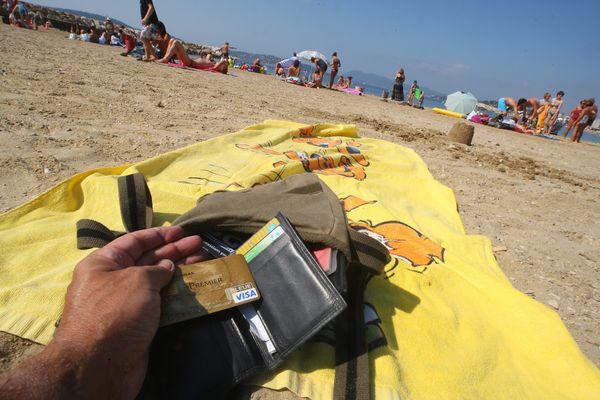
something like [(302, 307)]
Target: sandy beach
[(68, 106)]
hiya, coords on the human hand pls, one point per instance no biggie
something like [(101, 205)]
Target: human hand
[(112, 306)]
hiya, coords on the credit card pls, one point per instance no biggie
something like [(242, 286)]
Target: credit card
[(207, 287)]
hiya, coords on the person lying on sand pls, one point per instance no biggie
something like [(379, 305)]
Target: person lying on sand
[(586, 119), (294, 70), (177, 50)]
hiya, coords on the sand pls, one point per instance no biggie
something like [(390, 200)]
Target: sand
[(68, 106)]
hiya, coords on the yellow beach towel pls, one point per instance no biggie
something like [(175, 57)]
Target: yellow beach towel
[(445, 323)]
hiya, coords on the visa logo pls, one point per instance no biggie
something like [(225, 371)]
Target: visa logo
[(245, 295)]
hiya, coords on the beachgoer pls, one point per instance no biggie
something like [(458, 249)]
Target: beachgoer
[(320, 69), (294, 70), (256, 65), (553, 111), (111, 314), (398, 90), (18, 15), (335, 67), (176, 49), (94, 38), (505, 103), (225, 51), (573, 117), (586, 119), (129, 43), (109, 26), (348, 82), (411, 92), (341, 82), (418, 95), (150, 28), (279, 71), (103, 38)]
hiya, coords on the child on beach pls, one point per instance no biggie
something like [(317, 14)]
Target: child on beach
[(411, 92)]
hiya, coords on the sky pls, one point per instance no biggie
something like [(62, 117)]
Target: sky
[(510, 49)]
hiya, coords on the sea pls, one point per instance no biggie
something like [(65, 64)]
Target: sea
[(588, 136)]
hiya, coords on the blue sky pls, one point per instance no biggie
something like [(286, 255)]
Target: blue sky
[(516, 49)]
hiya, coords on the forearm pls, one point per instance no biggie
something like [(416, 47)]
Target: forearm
[(149, 12), (62, 372)]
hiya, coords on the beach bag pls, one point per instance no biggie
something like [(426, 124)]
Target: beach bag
[(318, 216)]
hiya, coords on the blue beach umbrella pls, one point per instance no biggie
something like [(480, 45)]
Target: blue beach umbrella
[(461, 102)]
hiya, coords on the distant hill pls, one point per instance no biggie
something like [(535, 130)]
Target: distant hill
[(97, 17)]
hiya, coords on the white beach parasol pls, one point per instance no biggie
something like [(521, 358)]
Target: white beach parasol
[(461, 102), (308, 54)]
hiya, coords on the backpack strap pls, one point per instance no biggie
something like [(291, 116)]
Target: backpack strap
[(92, 234), (135, 202), (368, 252)]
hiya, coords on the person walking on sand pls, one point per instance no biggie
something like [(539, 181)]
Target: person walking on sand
[(398, 90), (177, 50), (335, 66), (586, 119), (149, 28)]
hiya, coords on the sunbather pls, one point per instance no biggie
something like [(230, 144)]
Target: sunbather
[(294, 70), (586, 119), (573, 117), (177, 50)]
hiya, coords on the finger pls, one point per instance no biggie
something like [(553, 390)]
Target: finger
[(175, 251), (159, 275), (127, 249), (194, 258)]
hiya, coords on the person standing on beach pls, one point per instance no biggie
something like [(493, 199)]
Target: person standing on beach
[(335, 66), (573, 117), (321, 68), (150, 28), (586, 119), (398, 90), (553, 112)]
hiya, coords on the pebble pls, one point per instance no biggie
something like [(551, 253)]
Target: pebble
[(553, 303), (46, 171)]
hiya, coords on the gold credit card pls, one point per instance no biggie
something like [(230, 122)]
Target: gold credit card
[(207, 287)]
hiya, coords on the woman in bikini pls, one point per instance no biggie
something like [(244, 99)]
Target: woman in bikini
[(177, 50), (553, 111)]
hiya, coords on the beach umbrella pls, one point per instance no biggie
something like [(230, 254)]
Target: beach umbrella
[(461, 102), (308, 54)]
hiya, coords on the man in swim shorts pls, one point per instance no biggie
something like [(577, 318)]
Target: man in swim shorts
[(505, 103), (150, 28)]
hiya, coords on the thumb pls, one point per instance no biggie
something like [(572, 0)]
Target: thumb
[(160, 274)]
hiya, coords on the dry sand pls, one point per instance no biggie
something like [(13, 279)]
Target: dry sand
[(68, 106)]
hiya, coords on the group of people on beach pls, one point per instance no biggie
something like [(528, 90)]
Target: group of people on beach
[(291, 69), (537, 116), (415, 92), (19, 16)]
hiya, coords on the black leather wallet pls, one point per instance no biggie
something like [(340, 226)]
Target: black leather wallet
[(207, 356)]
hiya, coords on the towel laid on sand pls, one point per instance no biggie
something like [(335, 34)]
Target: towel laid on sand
[(444, 322)]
